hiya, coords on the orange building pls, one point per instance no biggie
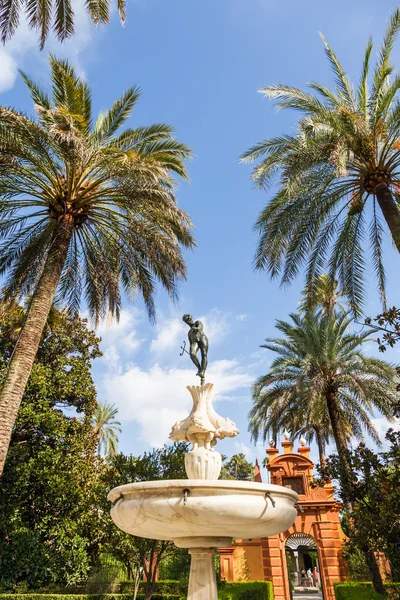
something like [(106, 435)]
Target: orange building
[(314, 540)]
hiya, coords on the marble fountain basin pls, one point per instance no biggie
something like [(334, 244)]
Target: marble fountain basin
[(191, 512)]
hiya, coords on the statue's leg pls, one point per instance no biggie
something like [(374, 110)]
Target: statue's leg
[(204, 360), (193, 355)]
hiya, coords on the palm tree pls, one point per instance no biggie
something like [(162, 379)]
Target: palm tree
[(321, 375), (322, 293), (57, 16), (107, 428), (340, 168), (85, 209)]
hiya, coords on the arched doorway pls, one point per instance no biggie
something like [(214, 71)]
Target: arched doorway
[(302, 560)]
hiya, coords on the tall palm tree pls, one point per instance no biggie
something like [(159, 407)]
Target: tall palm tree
[(107, 428), (322, 293), (320, 367), (57, 16), (339, 169), (85, 209)]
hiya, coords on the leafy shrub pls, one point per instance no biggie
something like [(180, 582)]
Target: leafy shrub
[(355, 591), (162, 587), (85, 597), (246, 590), (165, 590), (364, 591)]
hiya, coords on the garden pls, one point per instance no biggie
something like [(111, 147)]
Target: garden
[(111, 224)]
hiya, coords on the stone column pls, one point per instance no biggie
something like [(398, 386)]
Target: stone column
[(202, 579)]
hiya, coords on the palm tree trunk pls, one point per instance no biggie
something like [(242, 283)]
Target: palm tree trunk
[(390, 211), (340, 438), (27, 345), (320, 443)]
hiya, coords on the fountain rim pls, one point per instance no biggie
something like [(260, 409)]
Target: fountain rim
[(138, 488)]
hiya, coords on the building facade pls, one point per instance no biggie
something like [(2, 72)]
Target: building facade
[(314, 542)]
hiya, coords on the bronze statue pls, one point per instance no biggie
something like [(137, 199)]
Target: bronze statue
[(197, 341)]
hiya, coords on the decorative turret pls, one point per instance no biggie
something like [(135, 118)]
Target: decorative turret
[(287, 445)]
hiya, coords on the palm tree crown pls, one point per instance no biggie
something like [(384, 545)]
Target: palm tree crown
[(321, 377), (86, 210), (322, 294), (57, 16), (107, 428), (343, 159), (114, 189)]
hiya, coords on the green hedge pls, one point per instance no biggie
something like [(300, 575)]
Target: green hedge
[(162, 587), (85, 597), (246, 590), (364, 591), (165, 590)]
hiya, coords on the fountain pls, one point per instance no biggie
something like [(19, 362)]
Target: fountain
[(202, 513)]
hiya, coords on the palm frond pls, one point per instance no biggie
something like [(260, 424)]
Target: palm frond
[(342, 82)]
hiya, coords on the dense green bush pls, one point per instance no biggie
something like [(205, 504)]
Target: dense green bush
[(165, 590), (363, 591), (162, 587), (246, 590), (85, 597)]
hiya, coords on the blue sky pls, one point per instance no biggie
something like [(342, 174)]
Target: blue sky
[(199, 65)]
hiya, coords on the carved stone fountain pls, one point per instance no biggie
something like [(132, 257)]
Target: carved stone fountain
[(202, 513)]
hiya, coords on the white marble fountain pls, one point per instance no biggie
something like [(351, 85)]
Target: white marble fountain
[(202, 513)]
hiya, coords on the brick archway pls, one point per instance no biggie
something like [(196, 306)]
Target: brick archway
[(265, 558)]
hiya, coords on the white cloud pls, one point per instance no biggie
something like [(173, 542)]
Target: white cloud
[(170, 332), (241, 318), (120, 340), (242, 448), (25, 44), (8, 70), (150, 391), (382, 425), (156, 398)]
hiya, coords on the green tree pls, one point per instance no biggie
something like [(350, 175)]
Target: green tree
[(323, 294), (320, 365), (237, 468), (57, 16), (49, 520), (340, 168), (83, 209), (163, 463), (106, 428), (373, 524)]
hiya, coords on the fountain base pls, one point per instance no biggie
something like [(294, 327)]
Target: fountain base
[(202, 578)]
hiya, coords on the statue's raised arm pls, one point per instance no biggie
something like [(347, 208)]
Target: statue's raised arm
[(197, 341)]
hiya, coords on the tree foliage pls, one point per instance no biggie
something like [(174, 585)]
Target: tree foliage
[(340, 169), (373, 523), (56, 16), (87, 210), (320, 376), (388, 325), (106, 427), (49, 521), (237, 467), (163, 463), (115, 187)]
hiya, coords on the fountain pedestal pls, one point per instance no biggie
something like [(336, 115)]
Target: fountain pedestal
[(202, 578), (202, 513)]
